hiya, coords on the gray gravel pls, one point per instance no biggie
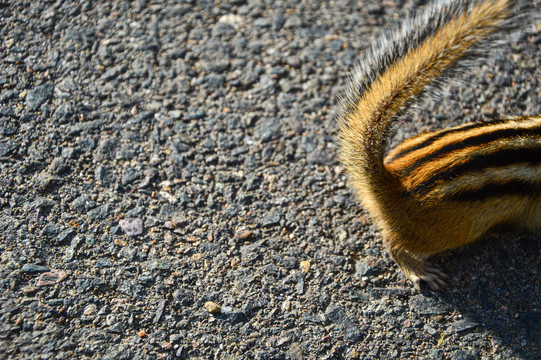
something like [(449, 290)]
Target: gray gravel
[(162, 158)]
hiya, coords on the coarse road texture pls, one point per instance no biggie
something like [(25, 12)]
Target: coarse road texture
[(170, 188)]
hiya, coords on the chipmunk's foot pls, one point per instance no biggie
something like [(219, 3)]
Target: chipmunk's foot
[(417, 271), (435, 279)]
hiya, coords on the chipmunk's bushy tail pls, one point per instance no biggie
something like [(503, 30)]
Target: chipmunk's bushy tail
[(400, 69)]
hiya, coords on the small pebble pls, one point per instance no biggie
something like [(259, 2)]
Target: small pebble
[(305, 266), (51, 278), (245, 235), (32, 268), (132, 227), (212, 307), (90, 310)]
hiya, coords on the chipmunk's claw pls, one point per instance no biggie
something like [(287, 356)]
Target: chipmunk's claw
[(434, 278)]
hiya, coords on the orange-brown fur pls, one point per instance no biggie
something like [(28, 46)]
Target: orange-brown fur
[(430, 196)]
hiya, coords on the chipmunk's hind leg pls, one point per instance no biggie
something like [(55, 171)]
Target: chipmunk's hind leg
[(417, 270)]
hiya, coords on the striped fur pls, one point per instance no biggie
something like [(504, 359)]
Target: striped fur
[(462, 154), (442, 189)]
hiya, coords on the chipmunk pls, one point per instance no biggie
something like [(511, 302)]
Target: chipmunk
[(443, 189)]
